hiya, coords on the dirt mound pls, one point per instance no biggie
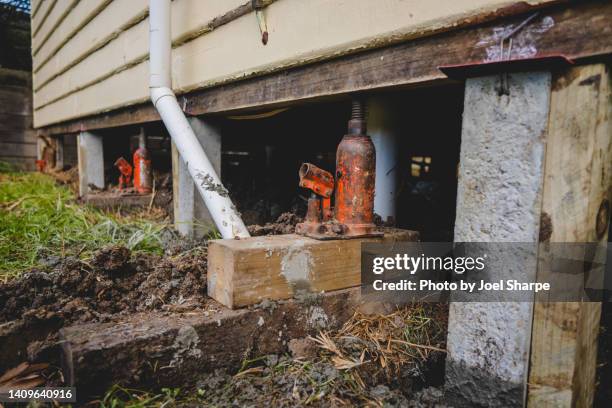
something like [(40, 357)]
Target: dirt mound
[(285, 382), (285, 224), (373, 360), (115, 281)]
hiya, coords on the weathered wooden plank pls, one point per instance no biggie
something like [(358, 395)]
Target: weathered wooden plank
[(18, 136), (128, 115), (247, 271), (17, 149), (580, 31), (15, 100), (99, 355), (577, 186), (15, 78), (21, 163), (10, 122)]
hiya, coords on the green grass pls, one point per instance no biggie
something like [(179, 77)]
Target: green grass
[(119, 397), (40, 218)]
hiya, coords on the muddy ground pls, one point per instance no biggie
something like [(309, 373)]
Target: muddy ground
[(116, 282), (113, 282), (286, 382), (285, 224)]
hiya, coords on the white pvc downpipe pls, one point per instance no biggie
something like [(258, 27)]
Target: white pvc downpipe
[(208, 183)]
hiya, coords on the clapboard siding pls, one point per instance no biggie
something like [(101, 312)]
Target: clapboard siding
[(17, 138), (36, 6), (78, 17), (111, 21), (85, 68), (57, 16), (41, 16), (127, 49)]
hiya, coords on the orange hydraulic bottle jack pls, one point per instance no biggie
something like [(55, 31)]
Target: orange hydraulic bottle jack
[(353, 213), (125, 173), (142, 166)]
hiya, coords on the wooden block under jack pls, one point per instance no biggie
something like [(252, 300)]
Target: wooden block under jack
[(247, 271)]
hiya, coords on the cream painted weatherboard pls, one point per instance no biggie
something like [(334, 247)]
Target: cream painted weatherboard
[(83, 69)]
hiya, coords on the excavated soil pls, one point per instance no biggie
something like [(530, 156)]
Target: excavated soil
[(286, 382), (285, 224), (114, 282), (117, 282)]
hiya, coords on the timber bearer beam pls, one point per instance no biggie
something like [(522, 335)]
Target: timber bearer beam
[(576, 30)]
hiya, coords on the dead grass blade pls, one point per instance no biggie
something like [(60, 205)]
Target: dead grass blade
[(249, 371), (345, 363), (422, 346), (23, 376), (325, 342), (407, 336), (14, 372)]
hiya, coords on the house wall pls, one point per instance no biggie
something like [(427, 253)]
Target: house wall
[(17, 138), (91, 56)]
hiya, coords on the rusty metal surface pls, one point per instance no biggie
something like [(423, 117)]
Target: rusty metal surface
[(125, 170), (321, 183), (142, 171), (334, 230), (355, 177), (316, 179), (353, 213)]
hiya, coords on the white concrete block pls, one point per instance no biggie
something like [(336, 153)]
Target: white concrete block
[(498, 200), (191, 217), (382, 118), (91, 161)]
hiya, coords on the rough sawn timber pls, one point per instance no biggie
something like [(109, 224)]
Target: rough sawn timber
[(170, 348), (247, 271), (576, 201)]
